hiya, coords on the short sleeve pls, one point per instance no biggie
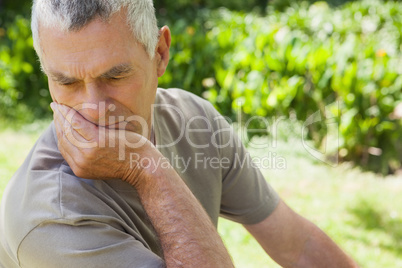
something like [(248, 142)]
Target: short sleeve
[(211, 160), (86, 244), (247, 198)]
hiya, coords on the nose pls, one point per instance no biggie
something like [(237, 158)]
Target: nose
[(94, 107)]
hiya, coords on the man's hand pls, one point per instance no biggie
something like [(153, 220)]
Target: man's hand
[(99, 152)]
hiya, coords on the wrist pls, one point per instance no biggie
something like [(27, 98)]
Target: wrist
[(145, 167)]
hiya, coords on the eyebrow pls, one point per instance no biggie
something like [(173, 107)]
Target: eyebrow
[(116, 71), (62, 79)]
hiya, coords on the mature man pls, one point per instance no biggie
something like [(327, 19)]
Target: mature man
[(121, 179)]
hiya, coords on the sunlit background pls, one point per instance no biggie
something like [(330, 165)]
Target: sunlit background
[(316, 86)]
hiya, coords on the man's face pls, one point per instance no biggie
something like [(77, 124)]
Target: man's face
[(101, 71)]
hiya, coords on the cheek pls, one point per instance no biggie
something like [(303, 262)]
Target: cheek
[(137, 96), (54, 98), (63, 96), (129, 91), (55, 92)]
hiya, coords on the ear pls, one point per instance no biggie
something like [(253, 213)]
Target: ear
[(162, 50)]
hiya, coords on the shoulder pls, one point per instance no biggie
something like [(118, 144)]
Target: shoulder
[(36, 182), (176, 95), (43, 189), (181, 114), (176, 110), (32, 194), (183, 102)]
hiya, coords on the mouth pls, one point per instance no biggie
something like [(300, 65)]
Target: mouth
[(113, 116), (131, 126)]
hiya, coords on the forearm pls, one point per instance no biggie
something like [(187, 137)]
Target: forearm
[(320, 251), (186, 233), (293, 241)]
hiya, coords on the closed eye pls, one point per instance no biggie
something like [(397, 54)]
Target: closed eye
[(66, 83), (116, 78)]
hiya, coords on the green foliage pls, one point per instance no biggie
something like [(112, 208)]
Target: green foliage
[(180, 8), (23, 88), (186, 68), (339, 63), (301, 59)]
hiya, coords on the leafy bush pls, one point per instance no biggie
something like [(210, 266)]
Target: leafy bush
[(345, 63), (23, 88), (179, 8)]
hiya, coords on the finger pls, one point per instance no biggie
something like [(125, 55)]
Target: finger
[(57, 121), (65, 130), (72, 155), (85, 128), (63, 127), (67, 146), (70, 152), (62, 143), (64, 150)]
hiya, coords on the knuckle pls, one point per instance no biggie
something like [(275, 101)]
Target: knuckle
[(68, 132), (79, 169), (81, 159), (89, 155), (76, 122), (79, 172)]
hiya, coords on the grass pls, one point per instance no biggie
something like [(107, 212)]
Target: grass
[(362, 212), (14, 147)]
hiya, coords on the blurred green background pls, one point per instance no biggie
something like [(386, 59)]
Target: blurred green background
[(304, 61), (334, 59)]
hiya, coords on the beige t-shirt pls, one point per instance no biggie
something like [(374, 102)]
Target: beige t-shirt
[(51, 218)]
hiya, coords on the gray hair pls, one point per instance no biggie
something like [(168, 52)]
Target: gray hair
[(73, 15)]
